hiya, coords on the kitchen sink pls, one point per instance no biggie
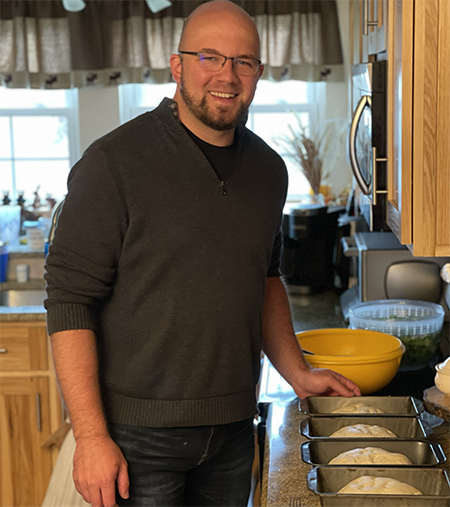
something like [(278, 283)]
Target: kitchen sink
[(27, 297)]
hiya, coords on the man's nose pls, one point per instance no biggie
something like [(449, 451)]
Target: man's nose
[(227, 72)]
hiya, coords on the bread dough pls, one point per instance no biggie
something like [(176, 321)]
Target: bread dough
[(369, 456), (358, 408), (379, 486), (363, 430)]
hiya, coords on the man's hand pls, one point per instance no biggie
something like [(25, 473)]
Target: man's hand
[(322, 382), (98, 464)]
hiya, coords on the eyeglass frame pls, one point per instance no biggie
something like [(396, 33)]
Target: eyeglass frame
[(232, 58)]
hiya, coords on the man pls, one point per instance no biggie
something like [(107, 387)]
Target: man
[(163, 286)]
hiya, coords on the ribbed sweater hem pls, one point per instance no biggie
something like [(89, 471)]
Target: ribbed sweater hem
[(176, 413), (66, 316)]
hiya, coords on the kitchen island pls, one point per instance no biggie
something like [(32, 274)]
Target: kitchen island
[(284, 480)]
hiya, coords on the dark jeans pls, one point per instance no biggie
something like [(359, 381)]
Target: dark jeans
[(192, 466)]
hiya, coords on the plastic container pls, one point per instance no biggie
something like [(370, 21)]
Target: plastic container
[(3, 262), (10, 224), (418, 324), (35, 234)]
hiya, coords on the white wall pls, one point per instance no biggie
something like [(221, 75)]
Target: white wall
[(98, 110), (335, 105)]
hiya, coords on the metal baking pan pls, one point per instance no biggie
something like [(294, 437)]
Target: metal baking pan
[(434, 483), (403, 427), (398, 406), (420, 452)]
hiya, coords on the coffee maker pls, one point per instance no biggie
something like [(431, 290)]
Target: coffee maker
[(309, 235)]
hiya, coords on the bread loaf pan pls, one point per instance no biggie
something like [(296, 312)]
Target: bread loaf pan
[(420, 452), (398, 406), (403, 427), (432, 482)]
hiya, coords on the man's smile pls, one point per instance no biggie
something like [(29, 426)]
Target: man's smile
[(223, 95)]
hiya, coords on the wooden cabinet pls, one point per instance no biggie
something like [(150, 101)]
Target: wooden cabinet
[(419, 125), (30, 412), (369, 32)]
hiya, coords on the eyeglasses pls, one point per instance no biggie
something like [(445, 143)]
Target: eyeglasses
[(213, 62)]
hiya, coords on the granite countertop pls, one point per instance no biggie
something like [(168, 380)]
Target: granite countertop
[(284, 481)]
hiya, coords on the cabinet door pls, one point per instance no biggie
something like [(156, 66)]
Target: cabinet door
[(25, 467), (400, 119)]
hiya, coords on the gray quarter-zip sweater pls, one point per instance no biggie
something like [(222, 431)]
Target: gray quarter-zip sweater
[(168, 269)]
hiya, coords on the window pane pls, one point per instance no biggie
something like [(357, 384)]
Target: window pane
[(298, 184), (151, 95), (5, 138), (26, 99), (5, 177), (40, 136), (49, 175), (286, 92), (269, 126)]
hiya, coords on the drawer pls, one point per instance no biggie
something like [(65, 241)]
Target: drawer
[(23, 348)]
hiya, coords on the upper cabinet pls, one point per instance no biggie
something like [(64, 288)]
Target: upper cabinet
[(369, 22), (419, 125)]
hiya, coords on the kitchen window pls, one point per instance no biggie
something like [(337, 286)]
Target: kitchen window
[(270, 114), (39, 132)]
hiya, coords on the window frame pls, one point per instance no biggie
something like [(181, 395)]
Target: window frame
[(70, 113)]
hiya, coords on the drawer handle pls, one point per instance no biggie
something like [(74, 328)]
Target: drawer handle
[(38, 412), (3, 350)]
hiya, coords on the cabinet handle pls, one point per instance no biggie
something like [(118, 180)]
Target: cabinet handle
[(3, 350), (375, 190), (38, 412), (366, 22)]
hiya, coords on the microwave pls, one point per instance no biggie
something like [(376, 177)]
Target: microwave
[(387, 270), (367, 141)]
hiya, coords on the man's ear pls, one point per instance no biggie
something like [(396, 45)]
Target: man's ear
[(175, 65)]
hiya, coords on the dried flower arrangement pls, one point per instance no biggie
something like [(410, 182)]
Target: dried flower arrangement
[(309, 148)]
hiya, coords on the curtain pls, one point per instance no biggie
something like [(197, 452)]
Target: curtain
[(114, 42)]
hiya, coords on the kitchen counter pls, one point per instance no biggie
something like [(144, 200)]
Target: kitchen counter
[(284, 481)]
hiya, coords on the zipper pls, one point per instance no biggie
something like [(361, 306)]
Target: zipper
[(222, 186)]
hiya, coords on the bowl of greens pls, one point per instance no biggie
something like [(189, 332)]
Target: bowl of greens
[(418, 324)]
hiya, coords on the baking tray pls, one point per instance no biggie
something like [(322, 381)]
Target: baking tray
[(398, 406), (403, 427), (421, 452), (434, 483)]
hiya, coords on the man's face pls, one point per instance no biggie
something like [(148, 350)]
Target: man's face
[(218, 99)]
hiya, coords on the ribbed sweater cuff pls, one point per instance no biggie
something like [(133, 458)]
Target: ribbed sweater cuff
[(66, 316)]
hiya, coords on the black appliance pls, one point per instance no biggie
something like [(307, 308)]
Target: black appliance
[(309, 241), (368, 141)]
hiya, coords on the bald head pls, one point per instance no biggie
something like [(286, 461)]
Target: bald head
[(208, 13)]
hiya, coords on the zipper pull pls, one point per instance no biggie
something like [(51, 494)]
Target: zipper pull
[(222, 186)]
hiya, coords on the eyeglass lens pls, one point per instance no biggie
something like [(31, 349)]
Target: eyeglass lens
[(242, 66)]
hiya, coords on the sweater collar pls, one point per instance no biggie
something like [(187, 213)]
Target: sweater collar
[(167, 113)]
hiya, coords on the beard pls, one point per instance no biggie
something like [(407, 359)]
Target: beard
[(200, 109)]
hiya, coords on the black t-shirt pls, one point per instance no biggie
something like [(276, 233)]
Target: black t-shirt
[(221, 158)]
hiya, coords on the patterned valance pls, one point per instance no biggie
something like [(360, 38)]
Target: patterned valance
[(114, 42)]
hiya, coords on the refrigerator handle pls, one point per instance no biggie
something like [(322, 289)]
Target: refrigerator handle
[(365, 100)]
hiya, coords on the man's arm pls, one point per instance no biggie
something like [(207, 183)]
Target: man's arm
[(98, 461), (281, 347)]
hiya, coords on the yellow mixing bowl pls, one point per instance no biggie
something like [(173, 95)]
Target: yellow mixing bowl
[(368, 358)]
